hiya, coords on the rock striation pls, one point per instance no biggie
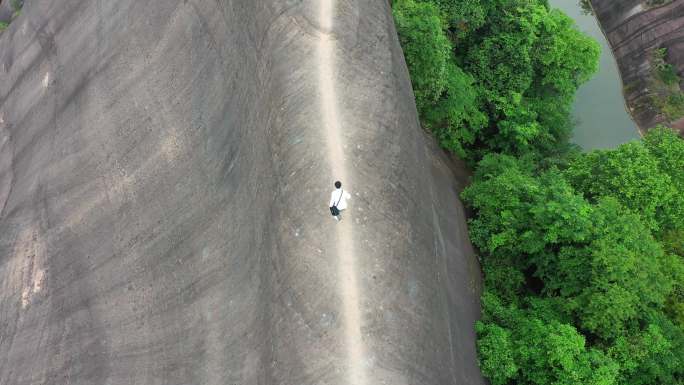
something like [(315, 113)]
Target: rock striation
[(165, 168), (634, 30)]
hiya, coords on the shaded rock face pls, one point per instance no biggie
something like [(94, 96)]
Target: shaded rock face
[(165, 169), (634, 31), (6, 11)]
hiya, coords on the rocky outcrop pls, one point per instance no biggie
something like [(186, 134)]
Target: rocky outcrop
[(634, 30), (165, 169), (6, 11)]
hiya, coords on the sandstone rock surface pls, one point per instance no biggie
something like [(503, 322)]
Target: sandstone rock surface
[(634, 30), (165, 168)]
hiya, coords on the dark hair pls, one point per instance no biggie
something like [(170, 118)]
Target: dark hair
[(338, 184)]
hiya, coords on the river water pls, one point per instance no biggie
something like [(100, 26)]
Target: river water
[(599, 111)]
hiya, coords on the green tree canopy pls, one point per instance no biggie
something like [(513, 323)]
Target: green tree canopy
[(533, 346), (426, 48), (638, 178), (582, 253), (528, 61), (523, 216), (445, 96), (494, 75)]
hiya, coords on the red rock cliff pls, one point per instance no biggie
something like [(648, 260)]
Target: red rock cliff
[(635, 30)]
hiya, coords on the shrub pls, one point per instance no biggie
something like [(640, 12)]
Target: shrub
[(17, 5), (426, 48)]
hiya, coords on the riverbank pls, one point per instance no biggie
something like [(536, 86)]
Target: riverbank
[(600, 115), (634, 33)]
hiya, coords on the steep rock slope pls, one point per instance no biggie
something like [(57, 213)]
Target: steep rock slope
[(634, 31), (165, 168)]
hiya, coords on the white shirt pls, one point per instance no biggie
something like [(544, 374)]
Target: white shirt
[(335, 197)]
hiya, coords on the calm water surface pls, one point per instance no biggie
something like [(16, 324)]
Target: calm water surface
[(599, 111)]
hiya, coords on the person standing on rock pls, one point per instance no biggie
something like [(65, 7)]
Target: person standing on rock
[(338, 200)]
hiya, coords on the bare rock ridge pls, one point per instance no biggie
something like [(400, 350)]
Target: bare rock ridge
[(165, 167), (634, 31)]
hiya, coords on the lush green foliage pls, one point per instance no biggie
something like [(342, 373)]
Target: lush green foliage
[(632, 175), (532, 345), (646, 177), (426, 48), (494, 75), (528, 64), (445, 96), (664, 90), (664, 70), (583, 254), (578, 265)]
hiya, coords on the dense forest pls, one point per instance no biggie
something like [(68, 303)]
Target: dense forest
[(583, 253)]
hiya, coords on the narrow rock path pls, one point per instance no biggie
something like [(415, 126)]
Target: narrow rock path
[(347, 270)]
